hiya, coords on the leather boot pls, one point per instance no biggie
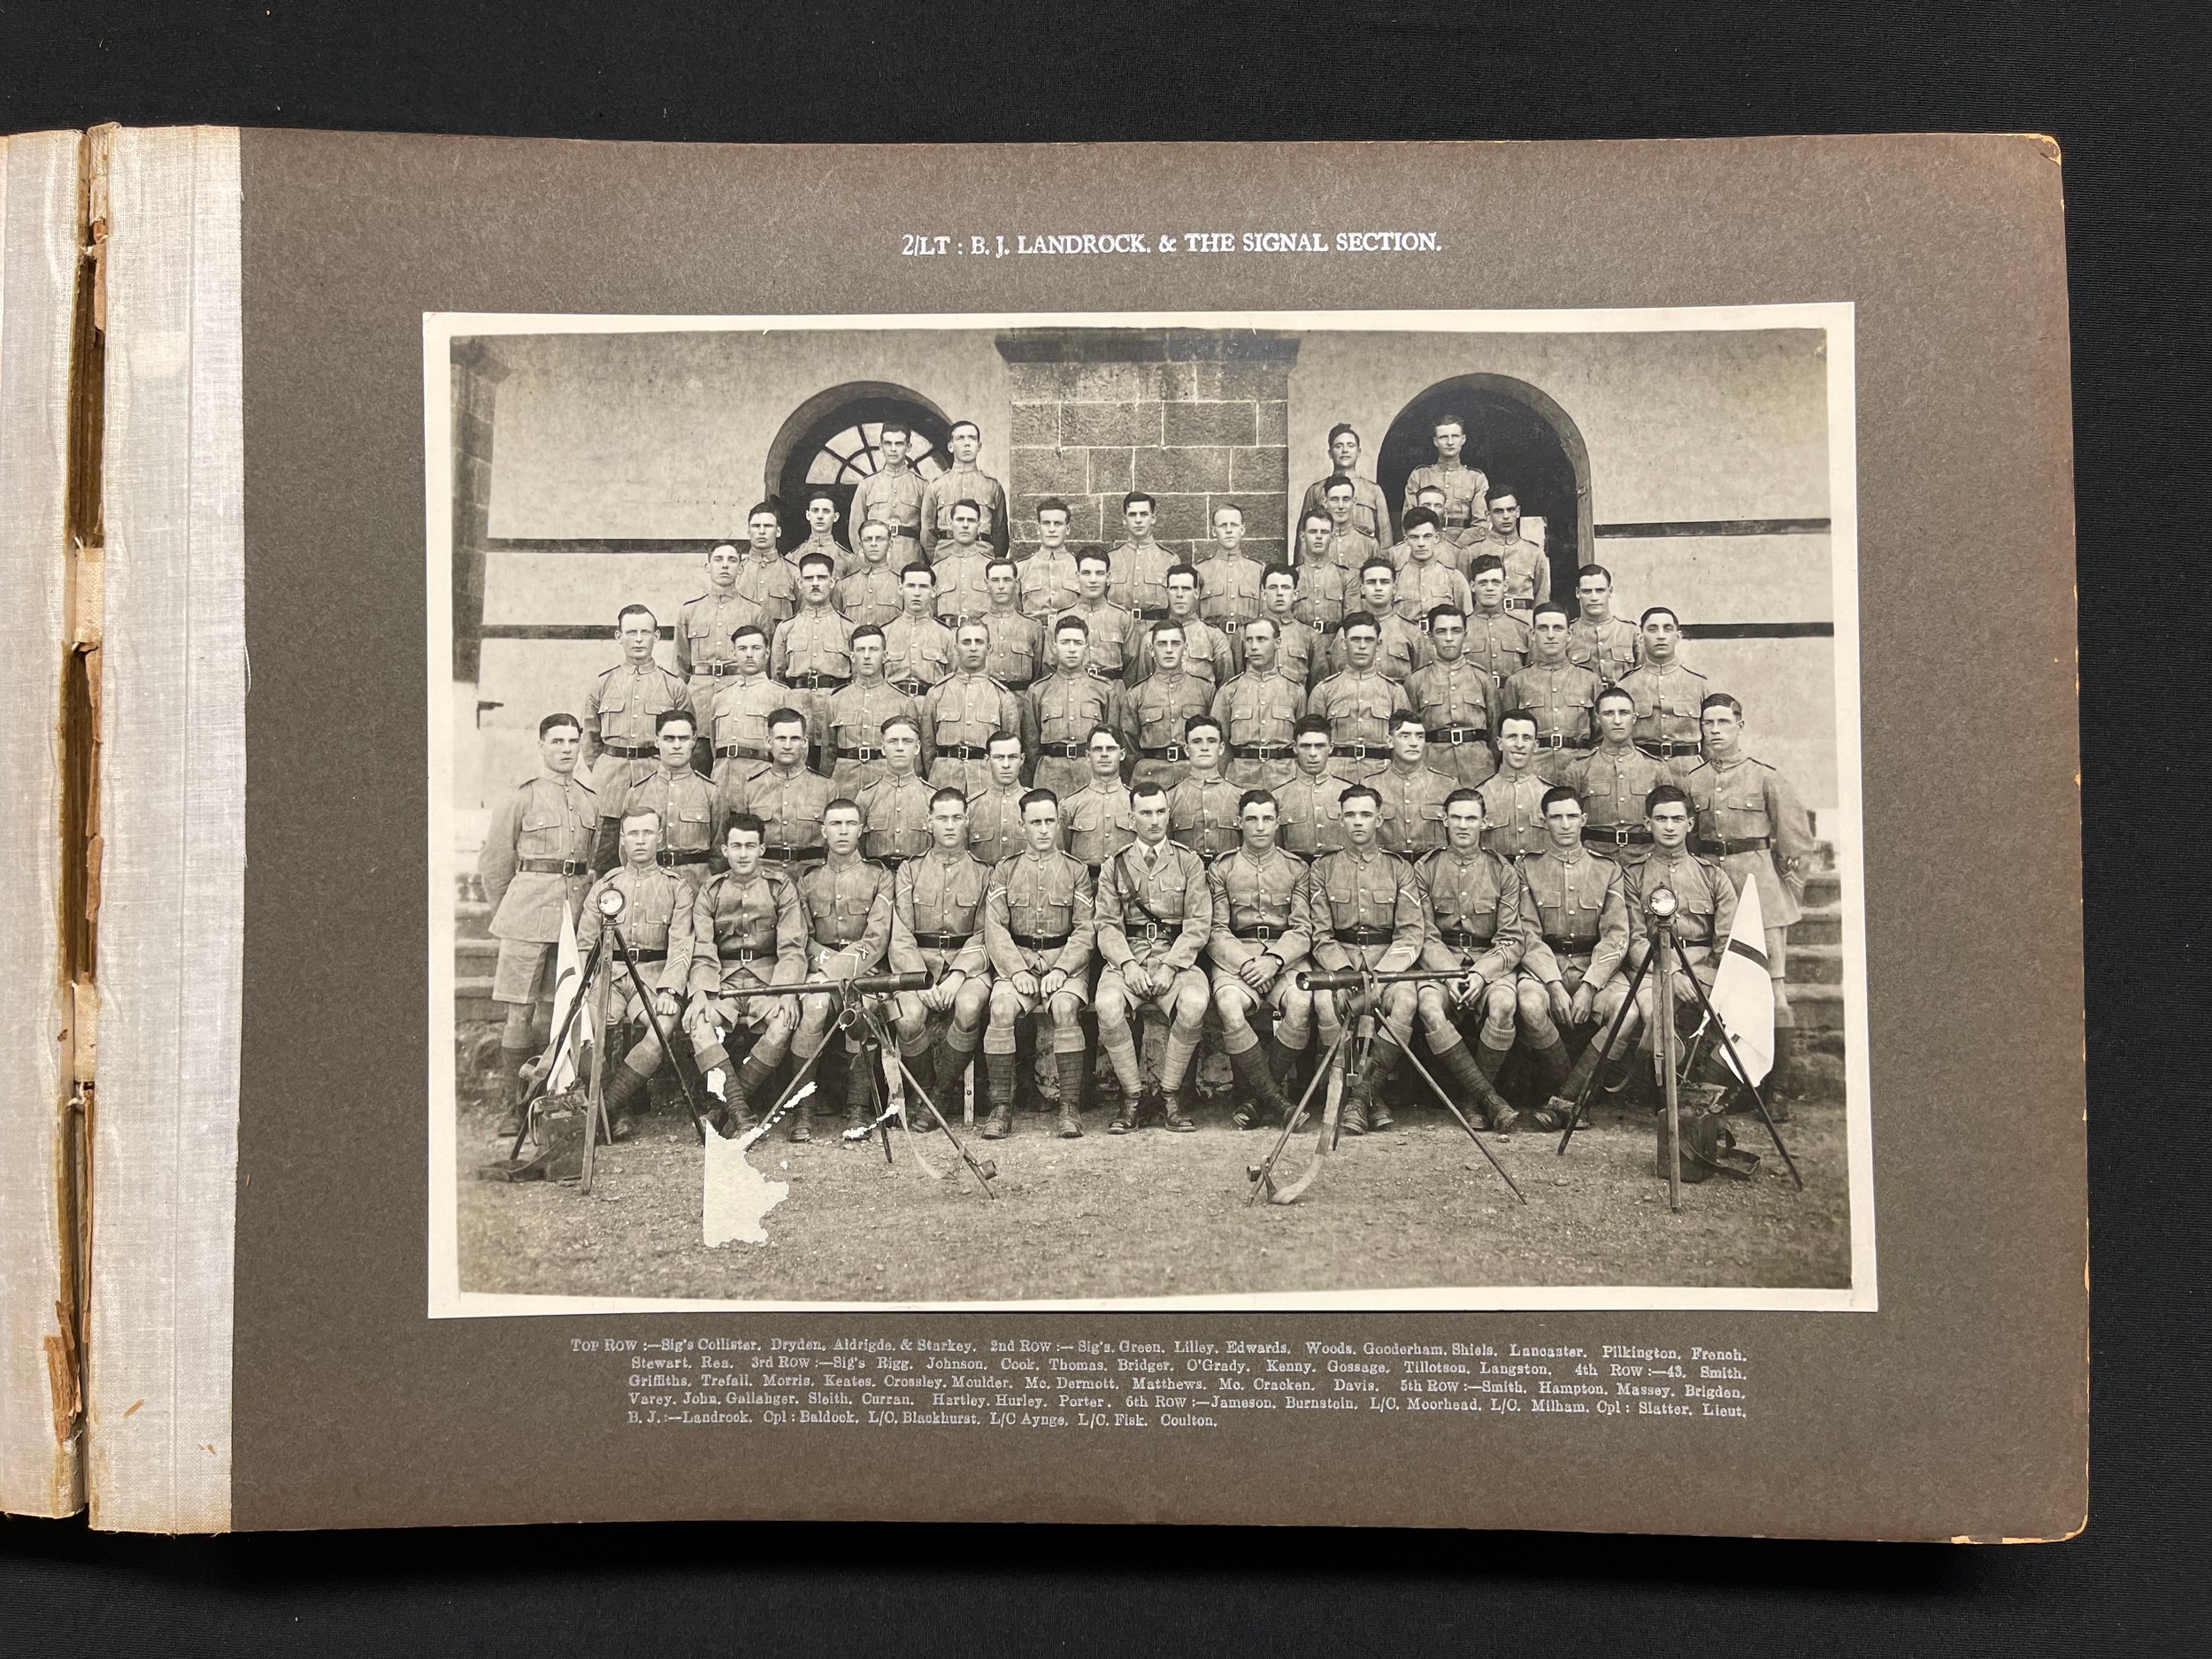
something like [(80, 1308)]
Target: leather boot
[(1352, 1118), (1382, 1063), (1461, 1065), (512, 1090), (1174, 1109), (1490, 1061), (1286, 1064), (945, 1079), (625, 1092), (1072, 1069), (1782, 1076), (860, 1100), (1132, 1112), (1261, 1097), (1001, 1081), (735, 1116), (1552, 1067), (803, 1121)]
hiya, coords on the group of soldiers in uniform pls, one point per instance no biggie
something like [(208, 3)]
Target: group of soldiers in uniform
[(1073, 787)]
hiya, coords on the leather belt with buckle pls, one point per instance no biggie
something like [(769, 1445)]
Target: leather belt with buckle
[(669, 858), (1258, 932), (1035, 941), (1723, 847), (814, 680), (792, 854), (1460, 939), (941, 941), (739, 751), (1065, 751), (1362, 751), (964, 751), (1616, 835), (1570, 946), (1173, 751), (1365, 935), (635, 954), (1107, 674), (1259, 751), (863, 753), (633, 751), (911, 686), (715, 671), (1668, 747), (1560, 740), (554, 866), (1459, 734)]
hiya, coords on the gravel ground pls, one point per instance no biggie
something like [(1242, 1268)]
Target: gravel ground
[(1156, 1213)]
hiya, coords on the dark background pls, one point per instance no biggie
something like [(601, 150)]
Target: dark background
[(2123, 87)]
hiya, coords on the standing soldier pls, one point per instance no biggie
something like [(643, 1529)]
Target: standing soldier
[(1358, 702), (1097, 816), (1017, 654), (1371, 508), (821, 520), (1409, 793), (1750, 818), (1348, 545), (1454, 697), (1325, 588), (1527, 570), (706, 628), (1258, 710), (813, 650), (1399, 647), (1574, 938), (1038, 928), (1667, 695), (1466, 491), (1259, 939), (1137, 566), (1612, 781), (1299, 656), (848, 904), (1598, 640), (535, 860), (656, 925), (620, 709), (787, 798), (1452, 549), (678, 797), (749, 930), (892, 495), (964, 568), (1425, 577), (1496, 639), (762, 575), (1155, 916), (1159, 707), (872, 595), (1559, 694), (856, 714), (739, 718), (1363, 909), (1201, 808), (961, 712), (895, 808), (916, 648), (1310, 800), (1513, 797), (1111, 631), (1207, 652), (1048, 575), (994, 812), (1470, 908), (964, 481), (1065, 707), (937, 929), (1228, 578)]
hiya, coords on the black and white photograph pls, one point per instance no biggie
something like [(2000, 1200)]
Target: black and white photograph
[(1353, 809)]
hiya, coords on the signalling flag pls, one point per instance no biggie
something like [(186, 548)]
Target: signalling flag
[(1743, 995), (568, 985)]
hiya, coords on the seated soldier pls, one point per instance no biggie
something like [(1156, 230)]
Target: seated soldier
[(1155, 915), (1364, 910), (749, 930), (1471, 909), (1259, 942), (937, 929), (655, 940), (1038, 928), (1574, 937), (847, 902)]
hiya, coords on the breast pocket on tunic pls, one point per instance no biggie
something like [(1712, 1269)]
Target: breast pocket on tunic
[(695, 819), (542, 829), (934, 657)]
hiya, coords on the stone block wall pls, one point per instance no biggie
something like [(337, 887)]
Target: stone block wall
[(1193, 416), (475, 387)]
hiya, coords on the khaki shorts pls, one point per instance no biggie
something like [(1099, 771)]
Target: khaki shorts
[(523, 965)]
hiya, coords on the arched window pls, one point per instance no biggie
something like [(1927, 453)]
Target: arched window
[(836, 439)]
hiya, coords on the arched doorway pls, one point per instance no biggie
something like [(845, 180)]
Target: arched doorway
[(1522, 441), (834, 439)]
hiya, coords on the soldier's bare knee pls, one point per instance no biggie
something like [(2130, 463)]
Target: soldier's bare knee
[(1066, 1010), (1190, 1005)]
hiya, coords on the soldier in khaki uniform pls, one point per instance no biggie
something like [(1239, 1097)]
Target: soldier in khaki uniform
[(963, 480), (1298, 647), (1048, 575), (1096, 818), (848, 902), (1310, 800), (739, 716), (1358, 700), (994, 812), (1466, 491), (1527, 569), (1574, 938), (1371, 508), (1667, 695), (961, 712), (963, 569), (1137, 566), (1399, 647), (1348, 545), (1065, 707), (762, 576), (620, 709), (937, 929), (821, 523), (813, 649), (1155, 916), (857, 713), (1561, 696), (1038, 928), (706, 627), (1612, 781), (1017, 649), (1259, 710), (750, 930), (787, 798), (1409, 793), (1207, 652), (1325, 588), (1161, 705), (1364, 908), (1515, 825), (892, 495), (1470, 910), (1454, 546), (1201, 809), (872, 595), (1425, 577), (535, 860), (656, 925), (1496, 640), (1259, 939), (1598, 640), (895, 808), (1455, 699), (1228, 579), (916, 648), (680, 797), (1111, 631)]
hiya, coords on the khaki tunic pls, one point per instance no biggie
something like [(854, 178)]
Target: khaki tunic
[(1018, 652), (1039, 917), (964, 589), (618, 714), (1400, 649), (686, 803), (790, 805), (1229, 595), (813, 655), (894, 816), (1454, 700), (655, 923), (1097, 822), (739, 722), (547, 817), (1136, 579), (840, 556), (894, 496), (1527, 573), (1411, 822), (1513, 813), (1047, 583), (1466, 491), (1156, 910), (849, 917), (1705, 900), (1325, 592), (1113, 637), (1312, 813), (1424, 584), (769, 583), (1612, 785), (1499, 644), (1667, 702), (958, 716), (1202, 815), (706, 630), (954, 485), (1157, 706), (1574, 919), (1561, 696), (1744, 800), (1258, 715), (1608, 649), (1371, 508), (1364, 908), (1207, 653), (994, 823), (1063, 709), (1359, 707), (1470, 908), (853, 726), (917, 653), (1300, 650), (1259, 906), (935, 898), (748, 931), (872, 593)]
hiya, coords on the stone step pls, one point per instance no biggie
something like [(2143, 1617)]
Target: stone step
[(1823, 888), (1814, 965), (472, 919), (474, 956), (1823, 926), (1817, 1007), (472, 1000)]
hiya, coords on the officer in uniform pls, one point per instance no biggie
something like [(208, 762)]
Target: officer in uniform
[(1527, 570), (1513, 797), (1496, 640), (787, 798), (739, 718), (1310, 800), (656, 925), (1298, 647), (1399, 647), (1470, 911), (856, 714), (1098, 816), (937, 929), (1348, 545), (1358, 702), (1065, 707), (963, 480), (749, 930), (1137, 566), (1425, 577), (706, 633), (1161, 705), (813, 649), (1559, 694), (892, 495), (762, 576), (1155, 916), (1612, 781), (1258, 711), (1574, 938), (961, 712), (1259, 939), (1371, 508), (963, 569), (1363, 909), (620, 709), (1598, 640), (847, 902), (1111, 631), (1409, 793), (994, 812), (535, 860), (895, 808), (1048, 575), (821, 520), (1325, 586), (1466, 491), (1668, 695), (1207, 652), (872, 594), (1228, 579), (1017, 654), (1038, 928), (1454, 698), (1201, 808), (680, 797)]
